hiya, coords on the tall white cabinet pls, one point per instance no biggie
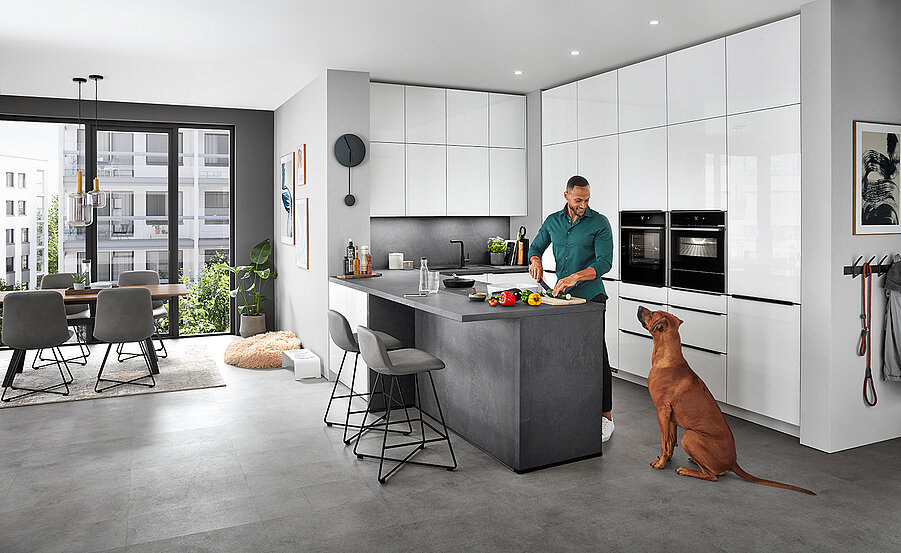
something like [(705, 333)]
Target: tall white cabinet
[(598, 161), (764, 67)]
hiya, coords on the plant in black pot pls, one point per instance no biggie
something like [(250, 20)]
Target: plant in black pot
[(497, 247), (250, 287)]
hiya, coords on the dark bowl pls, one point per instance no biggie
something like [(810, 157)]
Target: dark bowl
[(459, 282)]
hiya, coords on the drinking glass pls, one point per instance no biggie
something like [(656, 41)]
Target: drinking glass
[(434, 279)]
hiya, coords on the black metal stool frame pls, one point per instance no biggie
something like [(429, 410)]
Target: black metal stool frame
[(79, 341), (60, 362), (134, 381)]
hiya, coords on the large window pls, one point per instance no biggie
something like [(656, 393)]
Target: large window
[(115, 154), (116, 220)]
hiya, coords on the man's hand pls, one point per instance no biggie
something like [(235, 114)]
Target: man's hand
[(564, 283), (535, 268)]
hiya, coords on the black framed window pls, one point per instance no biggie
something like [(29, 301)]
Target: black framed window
[(10, 207)]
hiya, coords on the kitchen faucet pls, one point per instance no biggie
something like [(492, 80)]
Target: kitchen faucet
[(463, 257)]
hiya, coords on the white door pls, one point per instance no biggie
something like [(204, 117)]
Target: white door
[(467, 118), (764, 216), (597, 111), (508, 191), (426, 117), (642, 170), (598, 162), (426, 180), (467, 181), (506, 120), (386, 112), (764, 362), (387, 181), (558, 164), (642, 95), (696, 165), (558, 114), (763, 66), (696, 82)]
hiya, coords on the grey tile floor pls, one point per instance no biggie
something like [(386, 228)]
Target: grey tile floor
[(251, 467)]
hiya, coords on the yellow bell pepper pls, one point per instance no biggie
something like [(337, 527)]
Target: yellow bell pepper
[(535, 299)]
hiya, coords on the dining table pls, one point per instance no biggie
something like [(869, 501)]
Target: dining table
[(89, 296)]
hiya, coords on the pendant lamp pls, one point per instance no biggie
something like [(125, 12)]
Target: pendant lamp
[(79, 212), (98, 197)]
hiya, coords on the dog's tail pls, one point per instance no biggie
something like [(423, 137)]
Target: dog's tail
[(750, 478)]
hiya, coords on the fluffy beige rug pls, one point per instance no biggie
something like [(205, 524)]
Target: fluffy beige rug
[(263, 351)]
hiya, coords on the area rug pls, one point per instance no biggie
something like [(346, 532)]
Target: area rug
[(263, 351), (188, 368)]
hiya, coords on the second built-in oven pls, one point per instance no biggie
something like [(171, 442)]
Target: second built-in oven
[(643, 245), (698, 250)]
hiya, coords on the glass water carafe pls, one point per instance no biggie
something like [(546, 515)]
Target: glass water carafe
[(423, 274)]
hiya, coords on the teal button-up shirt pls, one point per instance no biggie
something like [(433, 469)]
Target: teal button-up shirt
[(587, 243)]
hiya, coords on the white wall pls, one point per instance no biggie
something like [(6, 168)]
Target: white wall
[(337, 102), (849, 72)]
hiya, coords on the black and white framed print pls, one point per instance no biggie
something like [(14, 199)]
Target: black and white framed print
[(876, 178)]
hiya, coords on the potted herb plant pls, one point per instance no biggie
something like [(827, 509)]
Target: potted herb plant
[(80, 279), (250, 287), (497, 247)]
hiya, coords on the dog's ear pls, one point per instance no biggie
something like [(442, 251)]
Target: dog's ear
[(662, 324)]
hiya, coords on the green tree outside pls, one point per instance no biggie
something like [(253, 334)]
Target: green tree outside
[(53, 237), (206, 307)]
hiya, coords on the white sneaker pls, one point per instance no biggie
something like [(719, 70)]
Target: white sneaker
[(607, 427)]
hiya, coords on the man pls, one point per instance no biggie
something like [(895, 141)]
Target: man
[(583, 248)]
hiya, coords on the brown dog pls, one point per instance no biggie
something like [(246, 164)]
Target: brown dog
[(682, 399)]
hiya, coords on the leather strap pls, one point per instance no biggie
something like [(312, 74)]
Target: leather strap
[(865, 345)]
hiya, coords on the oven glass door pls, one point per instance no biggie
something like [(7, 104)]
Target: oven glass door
[(698, 250), (644, 256)]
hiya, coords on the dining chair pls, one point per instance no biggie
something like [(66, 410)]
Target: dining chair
[(125, 315), (138, 278), (34, 320), (77, 316)]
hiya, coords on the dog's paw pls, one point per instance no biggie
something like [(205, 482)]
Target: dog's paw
[(659, 463)]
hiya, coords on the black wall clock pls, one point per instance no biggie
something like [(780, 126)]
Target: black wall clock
[(350, 152)]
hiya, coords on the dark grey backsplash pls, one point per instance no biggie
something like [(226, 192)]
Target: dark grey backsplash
[(429, 237)]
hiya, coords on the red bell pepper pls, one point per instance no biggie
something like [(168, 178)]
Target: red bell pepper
[(507, 298)]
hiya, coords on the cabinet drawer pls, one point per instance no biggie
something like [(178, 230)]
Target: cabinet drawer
[(628, 314), (635, 353), (711, 367), (652, 294), (703, 330), (697, 300)]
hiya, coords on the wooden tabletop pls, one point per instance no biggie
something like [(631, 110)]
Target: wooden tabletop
[(157, 291)]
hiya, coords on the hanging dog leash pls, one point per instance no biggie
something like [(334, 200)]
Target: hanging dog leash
[(865, 346)]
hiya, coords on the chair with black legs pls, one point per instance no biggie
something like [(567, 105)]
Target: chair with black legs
[(34, 321), (77, 315), (139, 278), (125, 315), (391, 365), (344, 338)]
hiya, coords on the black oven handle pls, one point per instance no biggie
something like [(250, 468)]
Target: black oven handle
[(661, 227), (699, 229)]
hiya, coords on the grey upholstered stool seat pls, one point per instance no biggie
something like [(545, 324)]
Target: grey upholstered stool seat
[(391, 365), (140, 278), (125, 315), (78, 316), (347, 340), (34, 320)]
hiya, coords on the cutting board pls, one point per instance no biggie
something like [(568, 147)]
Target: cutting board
[(559, 301)]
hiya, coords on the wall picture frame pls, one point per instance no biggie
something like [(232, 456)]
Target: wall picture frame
[(300, 173), (285, 198), (877, 148), (302, 232)]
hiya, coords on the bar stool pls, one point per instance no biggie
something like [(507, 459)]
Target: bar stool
[(77, 316), (344, 338), (402, 362), (138, 278)]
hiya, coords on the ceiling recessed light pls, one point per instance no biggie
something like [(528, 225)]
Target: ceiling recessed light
[(517, 72), (575, 53), (654, 22)]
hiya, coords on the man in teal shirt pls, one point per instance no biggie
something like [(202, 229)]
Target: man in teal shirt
[(583, 249)]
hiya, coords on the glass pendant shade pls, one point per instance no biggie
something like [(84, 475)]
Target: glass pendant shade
[(79, 209), (98, 197)]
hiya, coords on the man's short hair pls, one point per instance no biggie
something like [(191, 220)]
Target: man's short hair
[(575, 181)]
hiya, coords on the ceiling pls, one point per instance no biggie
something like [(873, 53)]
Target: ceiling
[(243, 54)]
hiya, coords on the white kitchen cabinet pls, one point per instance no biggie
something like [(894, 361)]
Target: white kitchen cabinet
[(387, 181), (506, 120), (696, 165), (764, 362), (654, 294), (599, 163), (425, 115), (558, 114), (467, 181), (597, 107), (510, 278), (508, 190), (386, 112), (710, 367), (611, 321), (467, 118), (642, 170), (763, 66), (628, 314), (558, 164), (642, 95), (354, 305), (764, 216), (696, 82), (426, 180), (635, 353), (702, 330), (714, 303)]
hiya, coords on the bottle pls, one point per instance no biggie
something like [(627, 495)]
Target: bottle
[(349, 258), (423, 274), (368, 264), (364, 263), (356, 263)]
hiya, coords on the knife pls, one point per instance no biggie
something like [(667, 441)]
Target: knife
[(544, 285)]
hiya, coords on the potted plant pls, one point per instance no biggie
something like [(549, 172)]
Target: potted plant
[(497, 247), (250, 286), (80, 279)]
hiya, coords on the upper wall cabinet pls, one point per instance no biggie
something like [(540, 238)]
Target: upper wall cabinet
[(426, 180), (467, 181), (763, 66), (386, 112), (696, 165), (507, 170), (467, 118), (696, 82), (387, 183), (642, 95), (506, 120), (558, 114), (597, 106), (642, 170), (426, 119)]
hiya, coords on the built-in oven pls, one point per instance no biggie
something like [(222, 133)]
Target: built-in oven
[(698, 250), (643, 247)]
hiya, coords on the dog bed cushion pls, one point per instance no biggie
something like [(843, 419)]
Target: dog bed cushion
[(263, 351)]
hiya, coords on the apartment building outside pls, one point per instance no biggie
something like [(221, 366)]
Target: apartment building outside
[(23, 219)]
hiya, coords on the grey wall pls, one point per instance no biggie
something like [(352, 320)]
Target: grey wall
[(252, 157), (430, 237)]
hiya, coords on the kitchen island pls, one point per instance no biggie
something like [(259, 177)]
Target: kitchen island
[(522, 383)]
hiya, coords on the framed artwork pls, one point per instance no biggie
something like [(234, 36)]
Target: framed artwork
[(286, 197), (301, 172), (302, 232), (876, 179)]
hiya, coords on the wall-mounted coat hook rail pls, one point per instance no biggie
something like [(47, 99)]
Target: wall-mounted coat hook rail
[(878, 269)]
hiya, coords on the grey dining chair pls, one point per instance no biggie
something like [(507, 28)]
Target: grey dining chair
[(391, 365), (124, 315), (32, 321), (138, 278), (77, 316)]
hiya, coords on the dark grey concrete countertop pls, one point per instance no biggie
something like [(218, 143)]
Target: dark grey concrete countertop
[(453, 303)]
